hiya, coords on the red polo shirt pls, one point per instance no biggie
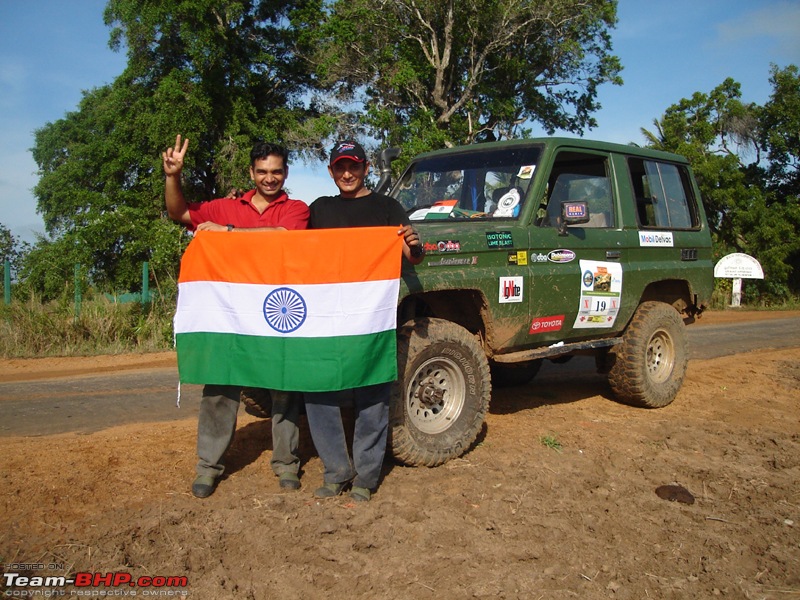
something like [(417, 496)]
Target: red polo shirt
[(240, 212)]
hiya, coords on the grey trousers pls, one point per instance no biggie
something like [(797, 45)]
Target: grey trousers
[(285, 432), (217, 424)]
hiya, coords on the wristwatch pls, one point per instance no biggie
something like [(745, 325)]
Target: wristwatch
[(230, 227)]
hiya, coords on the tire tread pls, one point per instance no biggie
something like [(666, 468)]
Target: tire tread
[(628, 375), (405, 448)]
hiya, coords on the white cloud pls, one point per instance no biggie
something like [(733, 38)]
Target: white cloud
[(777, 24)]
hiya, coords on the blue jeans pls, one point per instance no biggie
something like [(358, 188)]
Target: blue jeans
[(371, 404)]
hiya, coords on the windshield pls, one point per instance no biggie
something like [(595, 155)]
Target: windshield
[(478, 185)]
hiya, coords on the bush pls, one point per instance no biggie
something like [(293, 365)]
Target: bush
[(35, 329), (756, 295)]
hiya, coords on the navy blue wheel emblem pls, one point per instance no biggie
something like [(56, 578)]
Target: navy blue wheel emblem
[(284, 310)]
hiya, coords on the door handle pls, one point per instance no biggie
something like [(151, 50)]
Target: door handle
[(613, 254)]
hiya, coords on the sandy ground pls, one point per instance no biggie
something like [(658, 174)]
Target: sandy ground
[(557, 500)]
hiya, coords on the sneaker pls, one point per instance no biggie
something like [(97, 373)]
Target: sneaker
[(329, 490), (203, 486), (360, 494), (289, 481)]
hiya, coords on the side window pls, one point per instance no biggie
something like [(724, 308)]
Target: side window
[(577, 176), (663, 199)]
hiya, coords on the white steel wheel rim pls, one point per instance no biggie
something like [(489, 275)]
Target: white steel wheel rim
[(435, 395), (660, 359)]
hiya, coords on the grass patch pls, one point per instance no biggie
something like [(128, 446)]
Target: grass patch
[(32, 329), (550, 441)]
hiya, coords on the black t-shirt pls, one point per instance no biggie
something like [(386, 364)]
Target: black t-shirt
[(372, 210)]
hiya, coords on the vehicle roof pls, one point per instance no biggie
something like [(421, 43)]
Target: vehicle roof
[(556, 142)]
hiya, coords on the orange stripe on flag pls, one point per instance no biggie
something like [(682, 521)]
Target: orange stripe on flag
[(281, 257)]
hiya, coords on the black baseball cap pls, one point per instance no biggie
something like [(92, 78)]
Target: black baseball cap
[(348, 149)]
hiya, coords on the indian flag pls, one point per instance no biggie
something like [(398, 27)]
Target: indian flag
[(311, 311)]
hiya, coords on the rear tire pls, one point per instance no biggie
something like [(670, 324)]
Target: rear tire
[(648, 367), (442, 394)]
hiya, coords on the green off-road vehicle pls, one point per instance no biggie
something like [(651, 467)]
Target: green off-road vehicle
[(542, 249)]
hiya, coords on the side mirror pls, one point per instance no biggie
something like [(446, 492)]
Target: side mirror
[(572, 213), (385, 159)]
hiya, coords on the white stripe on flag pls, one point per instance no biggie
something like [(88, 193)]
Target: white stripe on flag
[(331, 310)]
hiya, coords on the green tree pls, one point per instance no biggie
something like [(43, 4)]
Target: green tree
[(779, 137), (742, 157), (708, 130), (427, 74), (221, 72), (8, 244), (12, 249), (779, 140)]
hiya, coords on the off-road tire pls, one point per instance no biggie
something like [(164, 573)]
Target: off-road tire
[(648, 367), (257, 402), (442, 394), (514, 374)]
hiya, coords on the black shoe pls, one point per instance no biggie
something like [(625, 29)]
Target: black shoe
[(289, 481), (204, 486)]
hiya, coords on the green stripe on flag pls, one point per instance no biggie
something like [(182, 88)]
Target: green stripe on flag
[(287, 363)]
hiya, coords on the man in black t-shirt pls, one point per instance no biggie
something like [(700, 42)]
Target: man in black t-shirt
[(355, 206)]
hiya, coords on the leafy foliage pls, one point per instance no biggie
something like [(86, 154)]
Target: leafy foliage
[(222, 73), (427, 74), (746, 161), (12, 250), (779, 135)]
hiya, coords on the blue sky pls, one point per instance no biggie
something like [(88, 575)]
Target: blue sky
[(52, 50)]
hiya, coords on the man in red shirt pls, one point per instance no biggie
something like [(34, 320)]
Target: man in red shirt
[(265, 208)]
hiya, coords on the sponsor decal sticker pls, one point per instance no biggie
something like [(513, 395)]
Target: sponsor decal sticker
[(510, 290), (561, 256), (545, 324), (518, 258), (448, 246), (508, 204), (538, 257), (601, 290), (575, 210), (656, 239), (499, 239), (454, 262)]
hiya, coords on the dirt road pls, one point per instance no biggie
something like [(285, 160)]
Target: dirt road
[(37, 398), (557, 500)]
